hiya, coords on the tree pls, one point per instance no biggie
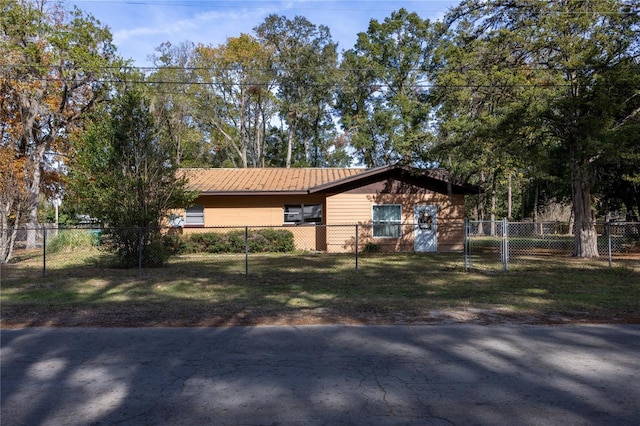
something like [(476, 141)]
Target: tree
[(618, 174), (383, 103), (234, 98), (305, 60), (482, 98), (13, 199), (566, 48), (172, 94), (124, 174), (55, 65)]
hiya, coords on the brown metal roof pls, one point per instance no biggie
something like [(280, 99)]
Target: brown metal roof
[(264, 180)]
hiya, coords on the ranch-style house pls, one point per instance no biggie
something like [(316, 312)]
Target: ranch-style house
[(399, 208)]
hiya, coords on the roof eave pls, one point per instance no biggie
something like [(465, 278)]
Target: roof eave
[(254, 192), (349, 179), (456, 186)]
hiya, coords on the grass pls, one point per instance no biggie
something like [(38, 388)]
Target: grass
[(559, 243), (71, 241), (212, 290)]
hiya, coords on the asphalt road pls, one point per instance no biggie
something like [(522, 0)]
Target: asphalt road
[(322, 375)]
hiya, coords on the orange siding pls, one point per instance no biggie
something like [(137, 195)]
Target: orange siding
[(347, 209), (257, 211), (250, 210), (352, 208)]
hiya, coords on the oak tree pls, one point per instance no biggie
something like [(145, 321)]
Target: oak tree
[(564, 49)]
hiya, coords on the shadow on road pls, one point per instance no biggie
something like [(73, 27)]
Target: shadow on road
[(463, 374)]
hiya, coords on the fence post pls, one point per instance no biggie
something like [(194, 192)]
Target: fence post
[(608, 227), (505, 245), (44, 251), (246, 250), (465, 244), (139, 251), (356, 247)]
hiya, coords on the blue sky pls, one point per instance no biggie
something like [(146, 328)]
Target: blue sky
[(139, 26)]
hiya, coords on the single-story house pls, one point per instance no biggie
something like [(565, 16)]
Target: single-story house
[(395, 208)]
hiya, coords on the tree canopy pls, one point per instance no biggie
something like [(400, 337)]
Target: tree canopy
[(532, 100), (542, 78), (124, 174), (383, 103), (55, 64)]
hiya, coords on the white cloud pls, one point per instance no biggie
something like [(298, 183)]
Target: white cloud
[(140, 27)]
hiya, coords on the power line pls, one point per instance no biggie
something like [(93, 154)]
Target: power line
[(371, 86), (149, 69), (349, 5)]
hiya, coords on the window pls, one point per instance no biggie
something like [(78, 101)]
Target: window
[(303, 213), (194, 216), (387, 219)]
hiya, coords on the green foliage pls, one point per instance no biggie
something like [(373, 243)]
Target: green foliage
[(278, 240), (538, 88), (383, 104), (236, 103), (371, 248), (175, 109), (55, 68), (135, 247), (305, 62), (259, 241), (72, 240), (124, 174)]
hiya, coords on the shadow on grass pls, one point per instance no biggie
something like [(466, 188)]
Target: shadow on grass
[(214, 290)]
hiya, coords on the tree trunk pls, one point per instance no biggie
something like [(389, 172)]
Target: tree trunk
[(585, 234), (8, 235), (34, 194), (289, 148), (480, 205), (509, 198), (493, 207)]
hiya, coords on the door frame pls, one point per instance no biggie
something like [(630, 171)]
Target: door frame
[(418, 228)]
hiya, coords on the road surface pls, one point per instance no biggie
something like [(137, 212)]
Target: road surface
[(322, 375)]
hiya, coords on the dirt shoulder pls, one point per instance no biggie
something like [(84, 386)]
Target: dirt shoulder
[(18, 316)]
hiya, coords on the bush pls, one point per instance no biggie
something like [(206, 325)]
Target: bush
[(279, 240), (371, 248), (259, 241), (125, 244), (235, 241)]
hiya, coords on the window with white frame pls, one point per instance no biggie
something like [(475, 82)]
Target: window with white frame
[(387, 220), (302, 213), (194, 216)]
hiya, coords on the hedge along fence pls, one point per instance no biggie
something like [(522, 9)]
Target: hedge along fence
[(265, 240), (154, 253)]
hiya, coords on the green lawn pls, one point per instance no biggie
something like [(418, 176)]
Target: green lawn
[(210, 290), (561, 243)]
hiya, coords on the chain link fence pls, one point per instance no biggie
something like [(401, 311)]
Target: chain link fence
[(82, 252), (139, 252), (503, 245)]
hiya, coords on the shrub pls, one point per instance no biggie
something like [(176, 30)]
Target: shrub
[(259, 241), (371, 248), (235, 241), (210, 242), (280, 240), (125, 243)]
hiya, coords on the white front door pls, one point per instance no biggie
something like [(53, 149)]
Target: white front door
[(425, 234)]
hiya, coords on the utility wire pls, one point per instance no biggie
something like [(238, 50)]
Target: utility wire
[(143, 69), (371, 86)]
